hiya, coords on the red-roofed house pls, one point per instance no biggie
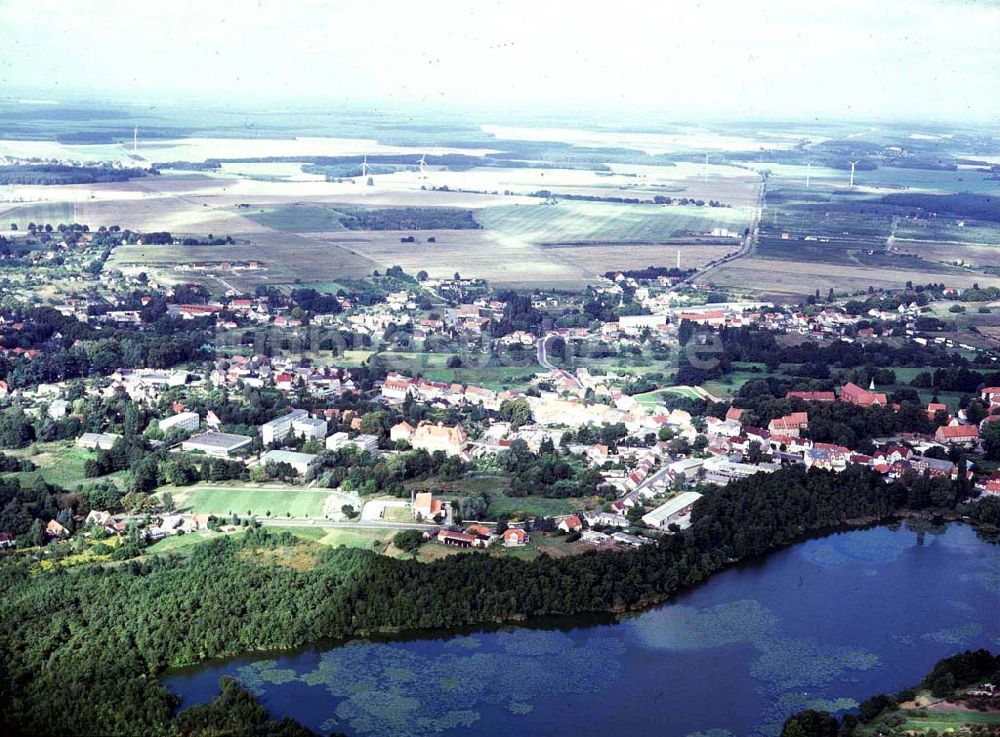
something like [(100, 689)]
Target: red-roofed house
[(789, 425), (425, 506), (734, 414), (935, 407), (513, 537), (570, 523), (456, 539), (856, 395), (957, 434)]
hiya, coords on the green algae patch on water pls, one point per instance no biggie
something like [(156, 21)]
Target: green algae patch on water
[(800, 664), (679, 627), (385, 690), (956, 636)]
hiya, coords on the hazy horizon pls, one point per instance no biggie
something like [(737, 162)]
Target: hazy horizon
[(932, 61)]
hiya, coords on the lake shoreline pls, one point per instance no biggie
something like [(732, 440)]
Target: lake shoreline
[(598, 616), (766, 629)]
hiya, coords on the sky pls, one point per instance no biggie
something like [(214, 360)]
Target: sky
[(804, 59)]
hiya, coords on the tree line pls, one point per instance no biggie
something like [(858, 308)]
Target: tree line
[(84, 647)]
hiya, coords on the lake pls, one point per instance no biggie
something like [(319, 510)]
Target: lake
[(823, 624)]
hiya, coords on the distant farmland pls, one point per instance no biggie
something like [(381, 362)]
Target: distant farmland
[(40, 213), (318, 218), (572, 222)]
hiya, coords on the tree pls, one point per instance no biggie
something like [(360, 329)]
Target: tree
[(515, 411), (686, 331), (36, 535), (408, 540), (167, 501), (811, 723), (144, 477), (349, 511), (991, 441), (374, 423)]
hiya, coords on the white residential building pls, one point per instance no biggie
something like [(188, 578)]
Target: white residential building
[(675, 511), (278, 428), (181, 421)]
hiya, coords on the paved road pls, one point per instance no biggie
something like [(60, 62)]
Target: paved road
[(543, 359), (746, 248), (648, 481), (327, 523)]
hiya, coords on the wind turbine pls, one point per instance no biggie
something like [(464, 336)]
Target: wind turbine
[(808, 172), (851, 185), (704, 171), (423, 165), (365, 168), (135, 140)]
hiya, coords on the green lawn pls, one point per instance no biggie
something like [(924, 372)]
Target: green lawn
[(650, 399), (433, 366), (326, 287), (179, 542), (529, 506), (219, 500), (681, 391), (336, 537), (943, 722), (60, 463)]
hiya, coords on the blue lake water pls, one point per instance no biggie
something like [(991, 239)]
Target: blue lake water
[(823, 624)]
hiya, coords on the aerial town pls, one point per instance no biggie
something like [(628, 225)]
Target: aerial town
[(295, 396), (453, 369)]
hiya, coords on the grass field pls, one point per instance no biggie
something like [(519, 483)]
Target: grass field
[(932, 714), (529, 506), (570, 222), (789, 277), (221, 500), (40, 213), (433, 367), (335, 537), (284, 259), (60, 463), (298, 218), (180, 542), (682, 391), (484, 254)]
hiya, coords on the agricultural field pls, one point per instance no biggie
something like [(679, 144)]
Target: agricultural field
[(603, 257), (279, 501), (504, 262), (798, 278), (42, 212), (298, 218), (283, 259), (316, 218), (600, 222)]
